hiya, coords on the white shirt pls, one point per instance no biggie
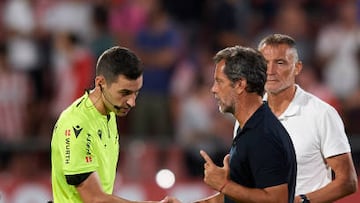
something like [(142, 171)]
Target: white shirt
[(317, 132)]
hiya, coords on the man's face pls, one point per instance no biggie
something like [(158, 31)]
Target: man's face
[(281, 67), (223, 89), (122, 94)]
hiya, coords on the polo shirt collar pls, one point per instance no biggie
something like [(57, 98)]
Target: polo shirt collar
[(254, 119), (294, 107)]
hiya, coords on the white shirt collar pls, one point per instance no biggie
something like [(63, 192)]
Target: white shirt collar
[(294, 107)]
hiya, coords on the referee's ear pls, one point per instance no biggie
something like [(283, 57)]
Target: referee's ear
[(99, 81)]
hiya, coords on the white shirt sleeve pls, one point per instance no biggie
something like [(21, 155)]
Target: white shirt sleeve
[(334, 140)]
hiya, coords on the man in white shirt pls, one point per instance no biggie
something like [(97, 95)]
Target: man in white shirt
[(325, 171)]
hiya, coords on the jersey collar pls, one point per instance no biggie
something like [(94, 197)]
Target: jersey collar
[(294, 107)]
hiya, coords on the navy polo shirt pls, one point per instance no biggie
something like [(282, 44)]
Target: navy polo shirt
[(262, 154)]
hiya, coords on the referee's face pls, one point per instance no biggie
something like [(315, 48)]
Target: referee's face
[(120, 96)]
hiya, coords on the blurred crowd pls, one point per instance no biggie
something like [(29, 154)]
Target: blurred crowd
[(48, 51)]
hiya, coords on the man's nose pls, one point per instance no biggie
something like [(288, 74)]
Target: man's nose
[(131, 101), (213, 89), (270, 68)]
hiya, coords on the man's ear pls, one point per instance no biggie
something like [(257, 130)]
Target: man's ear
[(240, 85), (99, 81), (298, 67)]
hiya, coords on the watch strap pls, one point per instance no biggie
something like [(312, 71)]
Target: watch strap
[(304, 199)]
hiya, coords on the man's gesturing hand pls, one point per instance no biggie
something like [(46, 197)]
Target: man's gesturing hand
[(214, 176)]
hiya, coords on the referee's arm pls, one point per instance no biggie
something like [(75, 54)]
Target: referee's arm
[(90, 190)]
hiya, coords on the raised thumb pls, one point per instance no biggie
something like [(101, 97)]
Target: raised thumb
[(226, 161)]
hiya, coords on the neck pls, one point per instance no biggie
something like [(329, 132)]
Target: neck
[(278, 102), (95, 96), (246, 108)]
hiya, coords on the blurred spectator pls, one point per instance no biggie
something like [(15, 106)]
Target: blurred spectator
[(197, 122), (126, 18), (183, 78), (196, 128), (102, 37), (187, 12), (19, 26), (159, 45), (358, 13), (191, 17), (337, 44), (18, 17), (310, 81), (69, 16), (28, 47), (15, 97), (181, 83), (291, 19), (227, 25), (352, 106), (73, 69), (262, 14), (352, 113)]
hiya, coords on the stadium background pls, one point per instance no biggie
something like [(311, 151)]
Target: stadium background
[(48, 50)]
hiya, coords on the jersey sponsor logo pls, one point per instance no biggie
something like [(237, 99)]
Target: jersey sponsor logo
[(77, 130), (67, 132), (88, 157), (67, 146)]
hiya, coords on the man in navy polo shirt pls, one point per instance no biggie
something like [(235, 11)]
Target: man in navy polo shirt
[(261, 166)]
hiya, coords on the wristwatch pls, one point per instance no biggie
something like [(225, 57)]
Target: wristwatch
[(304, 199)]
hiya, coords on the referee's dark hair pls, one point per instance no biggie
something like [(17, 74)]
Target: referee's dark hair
[(117, 61)]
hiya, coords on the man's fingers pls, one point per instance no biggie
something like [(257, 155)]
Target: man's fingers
[(206, 157), (226, 161)]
